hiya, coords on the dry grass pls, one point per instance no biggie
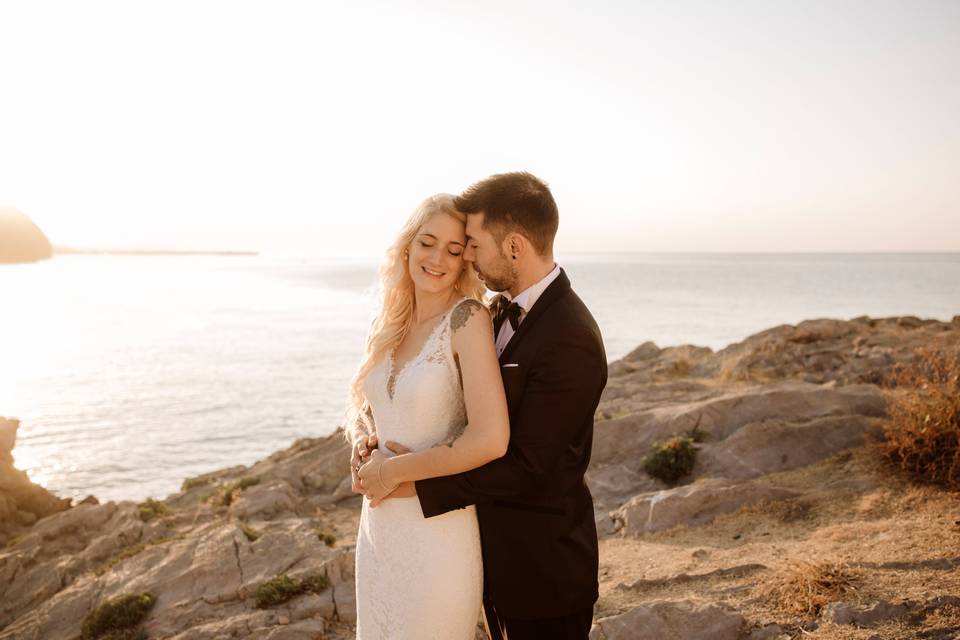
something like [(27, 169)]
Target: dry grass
[(922, 434), (872, 532), (806, 587)]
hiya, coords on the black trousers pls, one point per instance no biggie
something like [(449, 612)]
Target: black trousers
[(575, 626)]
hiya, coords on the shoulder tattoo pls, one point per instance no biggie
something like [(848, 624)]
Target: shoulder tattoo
[(463, 313)]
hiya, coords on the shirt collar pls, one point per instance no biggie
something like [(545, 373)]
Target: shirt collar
[(528, 297)]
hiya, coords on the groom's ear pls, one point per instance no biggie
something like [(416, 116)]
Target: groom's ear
[(516, 244)]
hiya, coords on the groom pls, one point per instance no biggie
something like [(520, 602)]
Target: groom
[(534, 509)]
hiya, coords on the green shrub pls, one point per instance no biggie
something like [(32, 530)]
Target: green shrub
[(118, 617), (192, 483), (921, 434), (671, 460), (150, 509), (282, 588), (225, 495), (326, 537)]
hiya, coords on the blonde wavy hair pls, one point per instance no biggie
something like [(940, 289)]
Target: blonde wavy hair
[(397, 306)]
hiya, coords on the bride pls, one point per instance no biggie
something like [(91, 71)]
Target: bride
[(429, 378)]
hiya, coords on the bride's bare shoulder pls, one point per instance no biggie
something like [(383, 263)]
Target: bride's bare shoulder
[(469, 311)]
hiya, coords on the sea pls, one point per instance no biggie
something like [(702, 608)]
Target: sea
[(130, 373)]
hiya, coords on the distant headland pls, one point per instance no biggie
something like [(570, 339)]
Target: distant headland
[(148, 252), (20, 239)]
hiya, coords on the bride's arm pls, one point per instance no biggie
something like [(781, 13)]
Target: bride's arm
[(487, 431)]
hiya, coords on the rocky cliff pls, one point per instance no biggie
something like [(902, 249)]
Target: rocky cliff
[(20, 239), (22, 502), (783, 498)]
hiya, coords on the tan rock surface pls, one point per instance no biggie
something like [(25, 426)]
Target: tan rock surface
[(204, 561), (21, 502)]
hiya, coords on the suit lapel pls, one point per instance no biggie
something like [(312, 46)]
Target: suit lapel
[(550, 295)]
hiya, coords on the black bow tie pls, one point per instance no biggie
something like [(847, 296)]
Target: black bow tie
[(505, 310)]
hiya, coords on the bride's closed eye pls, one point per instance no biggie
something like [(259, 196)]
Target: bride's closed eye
[(426, 245)]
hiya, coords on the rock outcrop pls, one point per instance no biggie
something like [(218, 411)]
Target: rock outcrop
[(21, 501), (204, 551), (20, 239), (692, 504), (668, 620)]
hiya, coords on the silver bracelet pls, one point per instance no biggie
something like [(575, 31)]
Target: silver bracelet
[(380, 477)]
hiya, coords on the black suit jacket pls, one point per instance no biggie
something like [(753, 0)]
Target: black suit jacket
[(536, 516)]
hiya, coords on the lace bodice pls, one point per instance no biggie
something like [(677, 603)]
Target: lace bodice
[(420, 403)]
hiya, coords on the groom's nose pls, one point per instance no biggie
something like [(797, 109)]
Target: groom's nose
[(470, 254)]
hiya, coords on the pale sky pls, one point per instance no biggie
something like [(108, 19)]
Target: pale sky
[(318, 126)]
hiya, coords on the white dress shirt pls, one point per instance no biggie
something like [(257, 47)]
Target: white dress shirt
[(526, 299)]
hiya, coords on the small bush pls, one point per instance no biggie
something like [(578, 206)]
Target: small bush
[(921, 434), (150, 509), (680, 367), (192, 483), (225, 495), (326, 537), (671, 460), (804, 588), (118, 617), (282, 588)]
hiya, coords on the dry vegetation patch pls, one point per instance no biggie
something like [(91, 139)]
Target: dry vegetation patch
[(921, 436), (804, 587)]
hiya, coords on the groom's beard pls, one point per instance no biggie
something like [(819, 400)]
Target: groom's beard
[(500, 276)]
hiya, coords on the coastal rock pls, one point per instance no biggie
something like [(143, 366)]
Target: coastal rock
[(720, 416), (645, 351), (747, 432), (264, 502), (777, 445), (211, 573), (20, 239), (204, 558), (668, 620), (21, 501), (817, 351), (61, 548), (768, 632), (692, 505), (864, 615), (8, 438)]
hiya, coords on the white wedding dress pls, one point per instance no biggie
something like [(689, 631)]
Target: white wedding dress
[(418, 578)]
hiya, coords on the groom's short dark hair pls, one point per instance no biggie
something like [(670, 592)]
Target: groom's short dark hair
[(517, 201)]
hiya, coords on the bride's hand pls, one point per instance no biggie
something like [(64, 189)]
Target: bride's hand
[(359, 454), (375, 482)]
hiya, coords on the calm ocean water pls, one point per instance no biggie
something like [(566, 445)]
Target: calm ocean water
[(130, 373)]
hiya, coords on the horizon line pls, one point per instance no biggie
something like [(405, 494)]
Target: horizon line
[(66, 250)]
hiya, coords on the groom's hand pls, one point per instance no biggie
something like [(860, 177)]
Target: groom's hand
[(396, 447), (404, 489)]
